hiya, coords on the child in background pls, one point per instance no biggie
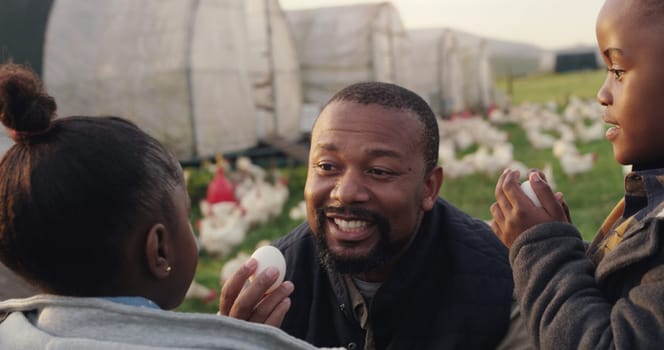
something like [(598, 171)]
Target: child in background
[(610, 294), (95, 214)]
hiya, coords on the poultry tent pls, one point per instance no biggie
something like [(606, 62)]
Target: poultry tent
[(274, 70), (178, 69), (477, 72), (338, 46), (514, 59), (436, 70)]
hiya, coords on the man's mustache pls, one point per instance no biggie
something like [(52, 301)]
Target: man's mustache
[(355, 212)]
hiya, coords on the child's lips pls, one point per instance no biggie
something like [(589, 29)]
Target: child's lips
[(612, 132)]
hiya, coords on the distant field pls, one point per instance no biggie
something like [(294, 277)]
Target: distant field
[(554, 87), (590, 195)]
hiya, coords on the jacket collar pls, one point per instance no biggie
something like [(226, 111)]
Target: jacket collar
[(640, 241)]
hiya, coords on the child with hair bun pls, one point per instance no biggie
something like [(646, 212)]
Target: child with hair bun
[(95, 214)]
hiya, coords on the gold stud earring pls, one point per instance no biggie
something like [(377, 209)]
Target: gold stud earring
[(168, 268)]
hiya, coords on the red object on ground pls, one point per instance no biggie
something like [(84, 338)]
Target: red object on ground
[(220, 189)]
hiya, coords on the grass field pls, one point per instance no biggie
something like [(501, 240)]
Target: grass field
[(554, 87), (590, 196)]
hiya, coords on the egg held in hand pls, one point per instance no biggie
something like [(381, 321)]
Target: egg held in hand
[(528, 190), (268, 256)]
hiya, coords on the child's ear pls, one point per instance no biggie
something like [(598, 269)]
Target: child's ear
[(432, 184), (157, 251)]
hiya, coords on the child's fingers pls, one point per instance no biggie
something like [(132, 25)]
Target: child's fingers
[(269, 310), (253, 294), (501, 197), (512, 190), (561, 200), (548, 199), (498, 217), (277, 316), (232, 288)]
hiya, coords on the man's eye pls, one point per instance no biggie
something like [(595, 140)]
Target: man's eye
[(380, 172), (325, 166)]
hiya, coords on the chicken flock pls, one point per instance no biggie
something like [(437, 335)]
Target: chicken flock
[(545, 128)]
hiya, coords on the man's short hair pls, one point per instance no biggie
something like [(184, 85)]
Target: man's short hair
[(394, 96)]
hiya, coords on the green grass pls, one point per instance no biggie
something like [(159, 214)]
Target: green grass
[(554, 87), (590, 196)]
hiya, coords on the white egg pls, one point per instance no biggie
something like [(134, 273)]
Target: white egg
[(267, 256), (528, 190)]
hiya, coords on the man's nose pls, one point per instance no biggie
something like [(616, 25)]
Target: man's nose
[(351, 188)]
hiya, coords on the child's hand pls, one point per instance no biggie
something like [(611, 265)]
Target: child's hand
[(513, 212), (558, 195), (248, 301)]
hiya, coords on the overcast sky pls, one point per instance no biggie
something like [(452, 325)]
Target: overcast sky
[(548, 24)]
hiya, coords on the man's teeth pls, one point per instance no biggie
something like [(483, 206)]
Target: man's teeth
[(353, 225)]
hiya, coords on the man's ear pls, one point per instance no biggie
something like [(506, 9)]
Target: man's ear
[(431, 189), (157, 251)]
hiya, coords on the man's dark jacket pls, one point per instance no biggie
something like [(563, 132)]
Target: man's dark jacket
[(452, 289)]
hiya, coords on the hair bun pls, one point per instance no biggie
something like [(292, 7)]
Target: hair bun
[(25, 107)]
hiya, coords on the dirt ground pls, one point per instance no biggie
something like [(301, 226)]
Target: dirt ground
[(11, 286)]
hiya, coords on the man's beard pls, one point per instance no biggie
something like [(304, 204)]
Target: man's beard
[(378, 256)]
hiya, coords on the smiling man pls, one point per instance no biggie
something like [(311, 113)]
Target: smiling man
[(383, 262), (365, 191)]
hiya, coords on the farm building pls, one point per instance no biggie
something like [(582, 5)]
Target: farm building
[(274, 70), (178, 69), (338, 46), (203, 77), (511, 58), (575, 59), (517, 59), (477, 72), (436, 72)]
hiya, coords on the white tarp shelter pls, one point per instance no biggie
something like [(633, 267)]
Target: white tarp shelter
[(338, 46), (436, 71), (477, 71), (179, 69), (514, 59), (274, 70)]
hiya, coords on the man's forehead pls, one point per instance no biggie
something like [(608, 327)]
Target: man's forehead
[(344, 108)]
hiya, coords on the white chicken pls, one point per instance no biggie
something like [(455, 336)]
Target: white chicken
[(298, 212), (244, 165), (575, 163), (219, 234), (264, 201), (592, 132), (200, 292), (561, 148)]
